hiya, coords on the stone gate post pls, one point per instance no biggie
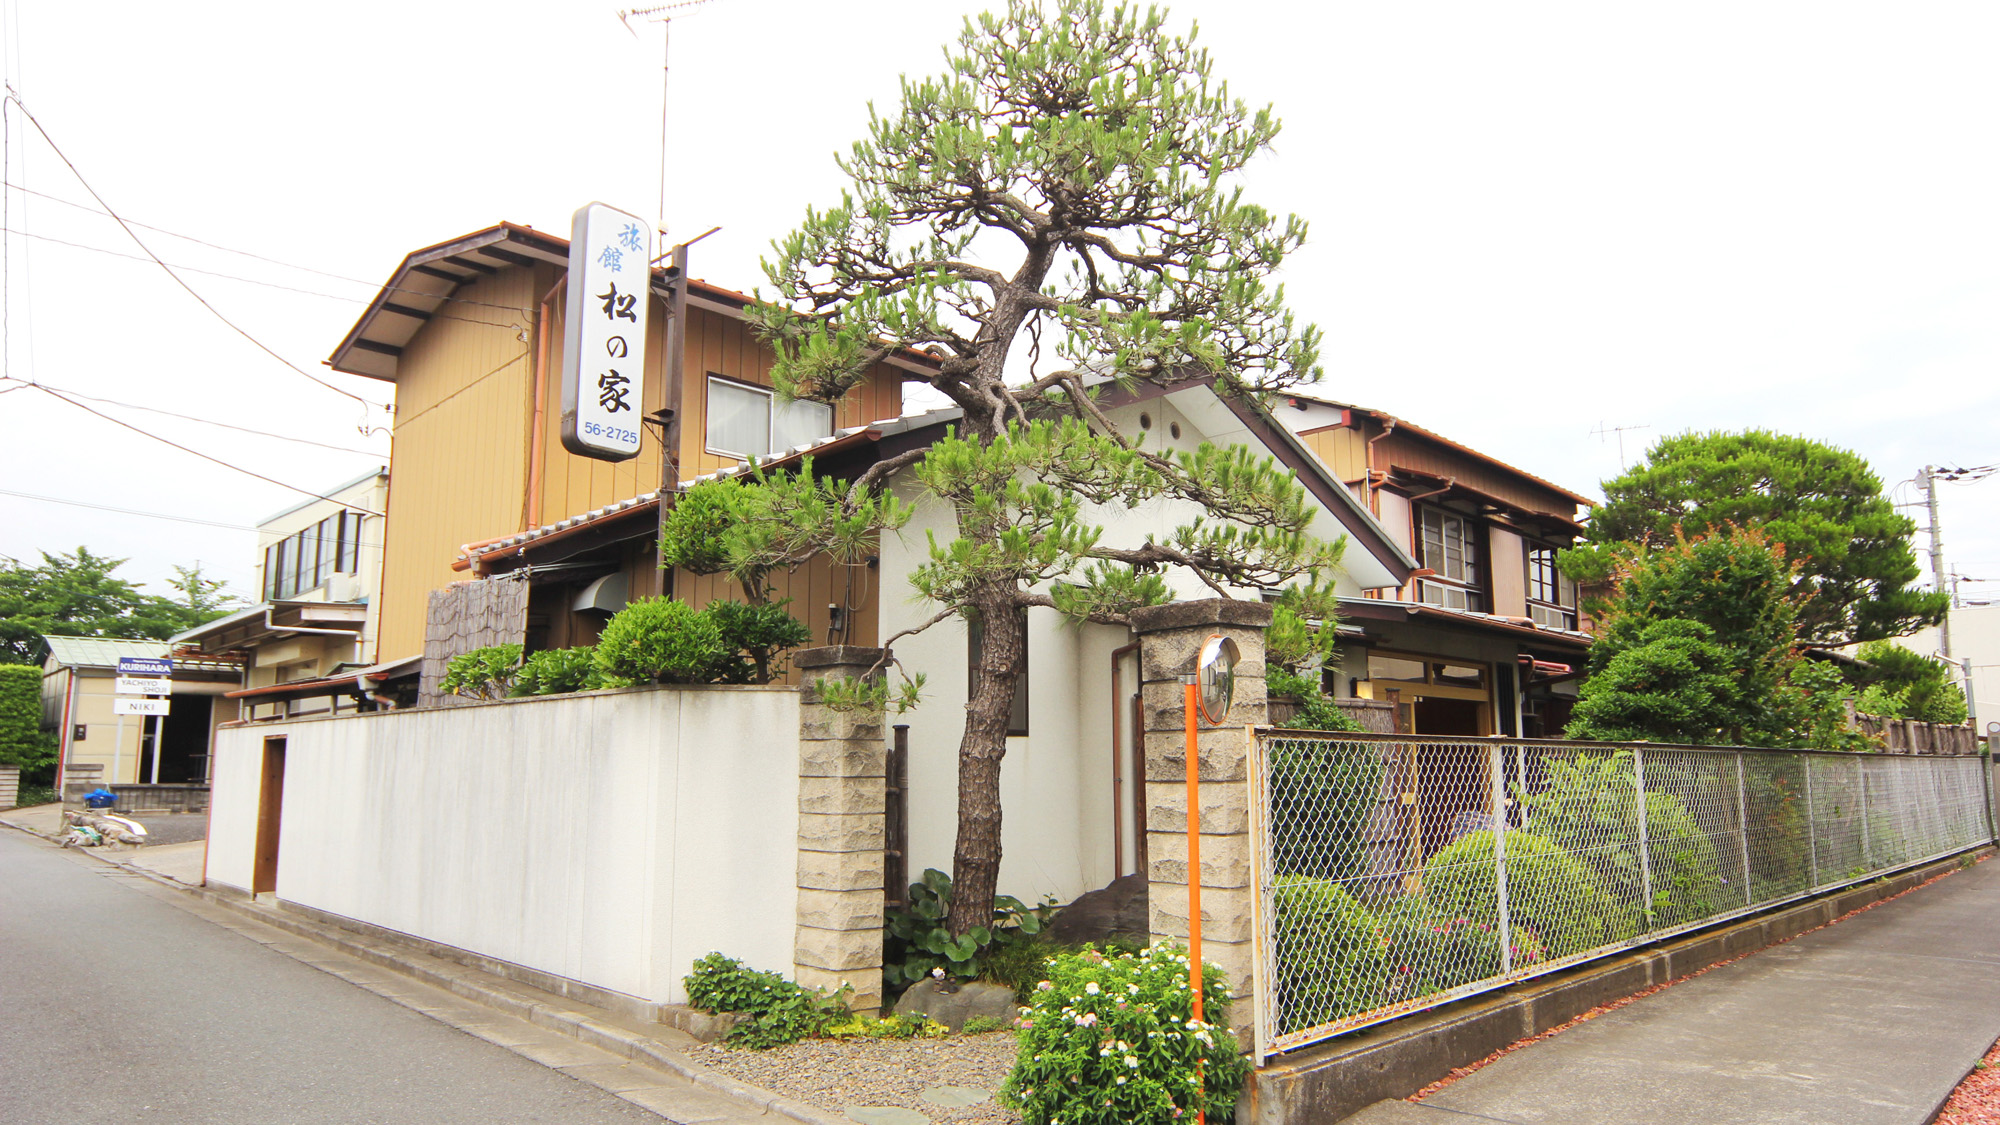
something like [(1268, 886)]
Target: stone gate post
[(843, 769), (1170, 640)]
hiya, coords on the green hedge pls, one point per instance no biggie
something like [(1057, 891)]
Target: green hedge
[(1550, 893), (22, 741)]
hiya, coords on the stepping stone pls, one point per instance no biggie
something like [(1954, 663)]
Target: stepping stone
[(955, 1096)]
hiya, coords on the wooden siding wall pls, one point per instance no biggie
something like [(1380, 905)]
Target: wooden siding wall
[(463, 617), (1341, 448), (1403, 450), (721, 345), (811, 588), (456, 470)]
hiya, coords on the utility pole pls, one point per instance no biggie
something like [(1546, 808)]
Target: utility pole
[(1929, 481)]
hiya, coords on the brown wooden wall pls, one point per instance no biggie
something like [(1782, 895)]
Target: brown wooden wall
[(1405, 450), (459, 451), (811, 588)]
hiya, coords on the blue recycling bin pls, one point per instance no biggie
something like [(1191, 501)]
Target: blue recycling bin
[(100, 798)]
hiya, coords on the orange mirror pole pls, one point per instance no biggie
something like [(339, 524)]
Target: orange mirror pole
[(1193, 755)]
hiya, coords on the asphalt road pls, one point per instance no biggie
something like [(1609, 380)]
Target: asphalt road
[(116, 1006)]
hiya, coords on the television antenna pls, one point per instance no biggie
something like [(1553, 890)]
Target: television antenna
[(1619, 431)]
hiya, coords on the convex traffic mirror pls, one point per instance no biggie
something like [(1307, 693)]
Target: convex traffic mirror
[(1216, 669)]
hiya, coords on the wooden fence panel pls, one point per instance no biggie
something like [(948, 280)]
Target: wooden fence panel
[(465, 616)]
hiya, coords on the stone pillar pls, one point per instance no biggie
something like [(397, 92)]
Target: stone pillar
[(78, 779), (1170, 640), (843, 769), (10, 786)]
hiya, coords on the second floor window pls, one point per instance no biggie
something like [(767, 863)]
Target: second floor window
[(1551, 594), (303, 562), (1450, 546), (745, 421)]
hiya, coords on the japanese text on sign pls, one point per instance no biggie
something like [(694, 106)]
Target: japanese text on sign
[(604, 332)]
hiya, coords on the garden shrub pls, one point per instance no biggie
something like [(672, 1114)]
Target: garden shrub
[(1323, 795), (1550, 893), (483, 673), (1111, 1040), (660, 640), (1588, 808), (915, 943), (554, 671), (754, 636), (1429, 950), (1330, 953), (780, 1011)]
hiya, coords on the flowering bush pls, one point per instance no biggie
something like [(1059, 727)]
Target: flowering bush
[(1111, 1040)]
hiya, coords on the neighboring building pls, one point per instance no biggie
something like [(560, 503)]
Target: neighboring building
[(1487, 637), (318, 580), (1975, 636), (471, 331), (78, 690)]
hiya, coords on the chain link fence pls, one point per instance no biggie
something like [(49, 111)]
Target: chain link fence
[(1396, 873)]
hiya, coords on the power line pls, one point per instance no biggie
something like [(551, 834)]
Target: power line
[(203, 456), (125, 511), (265, 348), (270, 284), (188, 417)]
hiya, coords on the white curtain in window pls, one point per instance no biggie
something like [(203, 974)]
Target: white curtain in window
[(739, 419), (799, 422)]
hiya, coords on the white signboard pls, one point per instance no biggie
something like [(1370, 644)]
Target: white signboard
[(139, 706), (604, 332), (144, 685)]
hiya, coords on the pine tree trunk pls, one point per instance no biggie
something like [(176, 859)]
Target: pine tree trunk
[(975, 866)]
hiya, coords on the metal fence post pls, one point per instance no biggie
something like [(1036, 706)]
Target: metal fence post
[(1497, 769), (1867, 846), (1812, 822), (1645, 849), (1743, 826)]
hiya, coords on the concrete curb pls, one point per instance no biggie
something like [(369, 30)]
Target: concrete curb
[(1332, 1080), (520, 1001)]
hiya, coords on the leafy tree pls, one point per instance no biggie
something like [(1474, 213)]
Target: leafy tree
[(1907, 685), (1824, 505), (77, 595), (1061, 210), (1697, 645)]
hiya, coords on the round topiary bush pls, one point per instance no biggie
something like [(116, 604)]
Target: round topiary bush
[(660, 640), (1549, 891), (1330, 953)]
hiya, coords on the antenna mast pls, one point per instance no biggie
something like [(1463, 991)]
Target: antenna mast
[(663, 15)]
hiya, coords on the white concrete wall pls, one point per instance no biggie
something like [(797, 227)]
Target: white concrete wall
[(606, 837)]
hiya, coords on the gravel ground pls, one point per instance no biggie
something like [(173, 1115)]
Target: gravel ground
[(836, 1074), (1977, 1099), (174, 828)]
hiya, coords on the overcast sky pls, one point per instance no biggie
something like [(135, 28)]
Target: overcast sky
[(1529, 222)]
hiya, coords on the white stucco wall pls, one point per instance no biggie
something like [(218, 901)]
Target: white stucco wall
[(1057, 820), (607, 837)]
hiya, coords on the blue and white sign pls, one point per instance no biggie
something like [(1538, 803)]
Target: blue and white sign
[(145, 666), (604, 332)]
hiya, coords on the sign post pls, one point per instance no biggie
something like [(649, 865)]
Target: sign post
[(140, 676), (604, 332)]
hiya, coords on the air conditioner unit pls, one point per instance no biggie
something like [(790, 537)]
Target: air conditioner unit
[(343, 588)]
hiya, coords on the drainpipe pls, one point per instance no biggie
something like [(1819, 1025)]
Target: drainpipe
[(1449, 484), (535, 444), (1117, 775), (1374, 505)]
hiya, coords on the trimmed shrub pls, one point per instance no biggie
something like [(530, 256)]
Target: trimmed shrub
[(22, 741), (554, 671), (1111, 1040), (483, 673), (660, 640), (1587, 807), (1330, 953), (1550, 892), (755, 637)]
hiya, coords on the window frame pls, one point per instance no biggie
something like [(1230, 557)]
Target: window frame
[(1473, 588), (1563, 606), (770, 396)]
